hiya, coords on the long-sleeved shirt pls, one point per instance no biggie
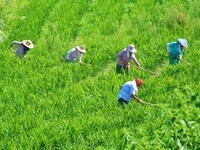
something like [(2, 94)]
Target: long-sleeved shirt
[(21, 49), (73, 54), (174, 49), (126, 60)]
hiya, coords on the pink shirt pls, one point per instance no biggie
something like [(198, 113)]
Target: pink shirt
[(126, 60), (73, 54)]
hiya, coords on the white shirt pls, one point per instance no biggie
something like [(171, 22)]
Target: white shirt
[(128, 89)]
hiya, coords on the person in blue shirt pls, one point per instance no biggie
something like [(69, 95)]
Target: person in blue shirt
[(128, 92), (175, 50), (22, 47)]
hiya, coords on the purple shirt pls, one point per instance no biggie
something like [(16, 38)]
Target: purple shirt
[(73, 54), (123, 56)]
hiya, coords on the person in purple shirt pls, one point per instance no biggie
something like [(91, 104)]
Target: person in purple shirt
[(22, 47), (74, 53), (124, 58)]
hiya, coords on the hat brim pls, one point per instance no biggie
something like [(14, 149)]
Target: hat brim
[(183, 42), (29, 46), (81, 50), (133, 51)]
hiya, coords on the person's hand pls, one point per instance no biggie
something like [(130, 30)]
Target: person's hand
[(81, 62), (181, 59), (140, 67), (140, 101)]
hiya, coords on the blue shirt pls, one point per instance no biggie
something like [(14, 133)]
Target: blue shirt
[(127, 90), (21, 49), (174, 49)]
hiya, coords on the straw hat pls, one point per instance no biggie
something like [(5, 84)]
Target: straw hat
[(183, 42), (81, 49), (132, 48), (28, 43)]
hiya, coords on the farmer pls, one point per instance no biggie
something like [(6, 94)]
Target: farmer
[(175, 49), (74, 53), (22, 47), (128, 92), (124, 58)]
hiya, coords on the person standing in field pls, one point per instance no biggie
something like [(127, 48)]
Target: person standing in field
[(124, 58), (74, 53), (128, 92), (175, 50), (22, 47)]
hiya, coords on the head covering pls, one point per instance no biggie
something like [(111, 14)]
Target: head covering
[(28, 43), (139, 82), (130, 49), (81, 49), (183, 42)]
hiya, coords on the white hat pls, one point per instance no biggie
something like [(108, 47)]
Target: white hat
[(183, 42), (28, 43), (132, 49), (81, 49)]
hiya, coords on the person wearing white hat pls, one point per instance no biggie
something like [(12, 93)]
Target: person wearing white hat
[(74, 53), (124, 57), (175, 50), (22, 47)]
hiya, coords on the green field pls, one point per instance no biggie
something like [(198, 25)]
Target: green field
[(46, 103)]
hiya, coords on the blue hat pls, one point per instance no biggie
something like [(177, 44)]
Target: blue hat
[(183, 42)]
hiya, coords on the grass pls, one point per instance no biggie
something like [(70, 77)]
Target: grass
[(48, 104)]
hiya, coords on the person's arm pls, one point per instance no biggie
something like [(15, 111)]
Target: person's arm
[(180, 58), (137, 63), (80, 61), (80, 57), (25, 54), (140, 101), (177, 57), (14, 43), (136, 99)]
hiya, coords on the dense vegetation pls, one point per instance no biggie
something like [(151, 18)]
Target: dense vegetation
[(46, 103)]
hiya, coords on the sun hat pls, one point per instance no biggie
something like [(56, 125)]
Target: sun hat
[(139, 82), (28, 43), (183, 42), (81, 49), (132, 49)]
